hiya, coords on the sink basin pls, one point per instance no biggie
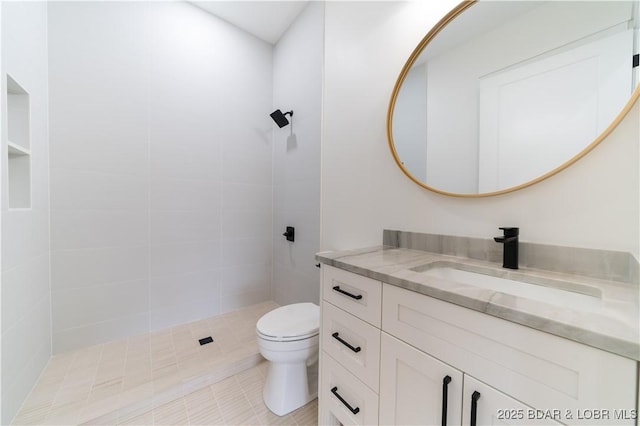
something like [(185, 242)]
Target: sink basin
[(548, 290)]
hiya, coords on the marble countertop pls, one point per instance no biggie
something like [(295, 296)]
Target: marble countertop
[(613, 324)]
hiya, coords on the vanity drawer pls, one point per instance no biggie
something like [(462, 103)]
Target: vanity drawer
[(352, 342), (361, 296), (539, 369), (344, 397)]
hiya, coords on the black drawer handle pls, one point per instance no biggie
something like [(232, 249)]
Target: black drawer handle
[(346, 404), (346, 293), (475, 396), (336, 336), (445, 396)]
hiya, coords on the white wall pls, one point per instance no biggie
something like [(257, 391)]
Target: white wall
[(592, 204), (297, 77), (26, 321), (160, 168)]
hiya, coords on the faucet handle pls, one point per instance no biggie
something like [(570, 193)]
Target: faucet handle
[(510, 231)]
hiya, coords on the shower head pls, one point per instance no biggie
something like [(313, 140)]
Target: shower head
[(281, 118)]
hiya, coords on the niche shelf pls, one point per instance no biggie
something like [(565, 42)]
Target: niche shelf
[(18, 145)]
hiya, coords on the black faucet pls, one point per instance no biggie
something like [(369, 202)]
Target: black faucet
[(510, 251)]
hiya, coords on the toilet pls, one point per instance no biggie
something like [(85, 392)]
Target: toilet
[(288, 339)]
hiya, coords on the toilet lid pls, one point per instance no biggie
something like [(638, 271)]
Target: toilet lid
[(290, 321)]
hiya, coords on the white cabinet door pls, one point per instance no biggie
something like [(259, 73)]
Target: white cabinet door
[(541, 370), (413, 389), (492, 407)]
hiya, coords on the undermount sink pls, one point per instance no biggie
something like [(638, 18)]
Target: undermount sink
[(557, 292)]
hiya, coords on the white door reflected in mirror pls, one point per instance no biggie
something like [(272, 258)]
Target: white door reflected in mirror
[(510, 91)]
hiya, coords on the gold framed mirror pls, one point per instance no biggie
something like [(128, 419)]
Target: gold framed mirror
[(500, 95)]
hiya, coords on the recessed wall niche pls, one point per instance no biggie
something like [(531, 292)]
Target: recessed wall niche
[(18, 145)]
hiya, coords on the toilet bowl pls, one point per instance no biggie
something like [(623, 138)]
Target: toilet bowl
[(288, 339)]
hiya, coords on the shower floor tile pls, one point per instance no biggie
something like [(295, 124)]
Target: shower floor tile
[(163, 378)]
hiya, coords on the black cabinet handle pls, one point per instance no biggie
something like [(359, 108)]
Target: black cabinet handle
[(346, 404), (346, 293), (445, 396), (336, 336), (475, 396)]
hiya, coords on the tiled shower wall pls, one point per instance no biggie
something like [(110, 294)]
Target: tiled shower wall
[(161, 186), (26, 315), (296, 158)]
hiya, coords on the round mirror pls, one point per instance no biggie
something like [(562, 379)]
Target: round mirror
[(502, 94)]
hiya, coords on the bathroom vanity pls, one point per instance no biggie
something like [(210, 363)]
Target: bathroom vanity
[(416, 337), (436, 331)]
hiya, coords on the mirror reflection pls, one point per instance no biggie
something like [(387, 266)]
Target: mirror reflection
[(508, 91)]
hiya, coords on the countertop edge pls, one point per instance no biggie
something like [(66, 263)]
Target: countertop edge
[(627, 349)]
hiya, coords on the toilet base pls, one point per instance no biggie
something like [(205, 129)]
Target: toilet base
[(289, 386)]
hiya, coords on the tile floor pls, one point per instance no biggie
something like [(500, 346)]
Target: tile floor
[(163, 378)]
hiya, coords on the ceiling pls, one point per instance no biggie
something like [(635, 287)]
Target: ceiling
[(267, 20)]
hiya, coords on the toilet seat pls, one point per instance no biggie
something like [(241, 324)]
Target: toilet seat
[(298, 321), (286, 339)]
